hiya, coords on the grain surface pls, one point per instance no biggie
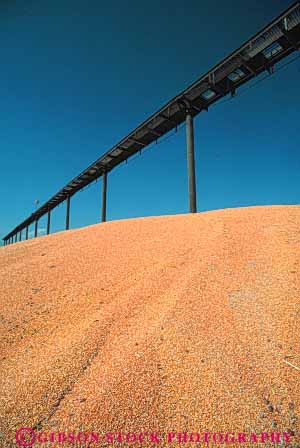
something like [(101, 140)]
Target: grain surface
[(167, 324)]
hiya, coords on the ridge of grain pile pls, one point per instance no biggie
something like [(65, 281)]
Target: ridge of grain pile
[(170, 323)]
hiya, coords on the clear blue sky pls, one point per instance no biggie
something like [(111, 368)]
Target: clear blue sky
[(76, 76)]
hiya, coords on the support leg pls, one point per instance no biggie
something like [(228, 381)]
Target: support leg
[(104, 192), (48, 222), (191, 162), (68, 213), (36, 229)]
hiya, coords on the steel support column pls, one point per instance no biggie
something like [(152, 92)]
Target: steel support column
[(48, 222), (104, 191), (191, 162), (20, 236), (36, 228), (16, 237), (26, 233), (68, 213)]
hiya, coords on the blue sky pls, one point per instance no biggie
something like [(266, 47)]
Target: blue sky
[(76, 76)]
